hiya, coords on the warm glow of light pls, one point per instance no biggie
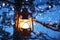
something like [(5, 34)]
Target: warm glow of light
[(25, 23), (25, 26)]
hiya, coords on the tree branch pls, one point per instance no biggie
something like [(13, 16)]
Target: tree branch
[(7, 2), (50, 26)]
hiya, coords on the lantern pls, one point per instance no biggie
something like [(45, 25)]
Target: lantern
[(24, 23)]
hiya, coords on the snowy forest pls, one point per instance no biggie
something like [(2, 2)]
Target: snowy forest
[(45, 16)]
